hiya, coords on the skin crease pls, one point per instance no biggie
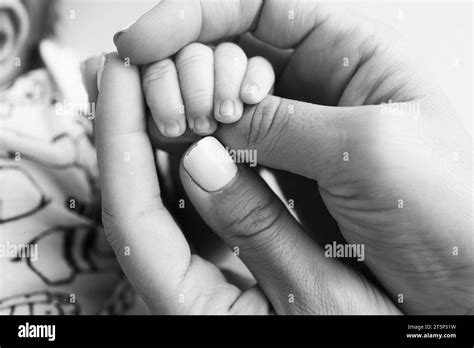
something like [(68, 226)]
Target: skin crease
[(401, 193)]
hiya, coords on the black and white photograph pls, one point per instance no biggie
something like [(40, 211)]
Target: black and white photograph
[(223, 165)]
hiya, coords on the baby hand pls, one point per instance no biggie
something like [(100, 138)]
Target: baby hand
[(204, 86)]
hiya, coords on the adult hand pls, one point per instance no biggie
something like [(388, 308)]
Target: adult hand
[(397, 182), (295, 275)]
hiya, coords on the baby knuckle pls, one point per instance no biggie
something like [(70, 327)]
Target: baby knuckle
[(195, 47), (157, 71), (230, 50), (197, 95), (193, 54)]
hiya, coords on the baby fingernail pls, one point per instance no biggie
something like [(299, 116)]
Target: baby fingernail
[(172, 129), (209, 164), (202, 124), (226, 108), (121, 31), (100, 69), (251, 90)]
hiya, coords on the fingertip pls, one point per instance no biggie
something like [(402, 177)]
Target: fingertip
[(228, 110), (118, 34), (147, 39), (120, 102), (174, 129), (171, 128), (203, 125), (126, 43), (258, 81), (105, 62), (89, 77), (115, 58), (117, 73), (251, 94)]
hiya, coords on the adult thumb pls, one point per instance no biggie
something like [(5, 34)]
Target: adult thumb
[(312, 140)]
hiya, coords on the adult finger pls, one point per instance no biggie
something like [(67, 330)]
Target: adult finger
[(148, 243), (290, 268), (330, 49), (185, 21), (314, 140), (281, 23), (89, 77)]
